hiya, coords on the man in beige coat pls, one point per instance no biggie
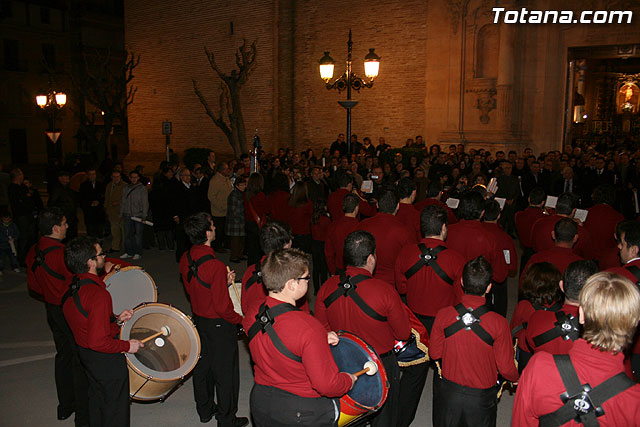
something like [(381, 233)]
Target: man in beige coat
[(219, 189), (112, 198)]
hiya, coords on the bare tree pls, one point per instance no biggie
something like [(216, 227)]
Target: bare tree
[(229, 118)]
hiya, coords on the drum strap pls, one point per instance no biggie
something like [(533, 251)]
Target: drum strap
[(73, 290), (566, 326), (194, 265), (264, 323), (469, 320), (256, 277), (581, 402), (347, 288), (555, 307), (635, 271), (428, 257), (40, 261)]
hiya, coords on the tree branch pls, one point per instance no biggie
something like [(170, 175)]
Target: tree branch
[(217, 120)]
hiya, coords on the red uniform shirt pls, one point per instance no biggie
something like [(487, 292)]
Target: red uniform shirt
[(319, 229), (259, 204), (609, 258), (520, 318), (419, 206), (466, 359), (542, 321), (299, 218), (391, 236), (506, 244), (212, 303), (305, 337), (541, 237), (540, 388), (337, 233), (278, 203), (559, 257), (601, 223), (524, 223), (471, 239), (345, 314), (96, 331), (410, 217), (426, 291), (43, 283), (334, 205)]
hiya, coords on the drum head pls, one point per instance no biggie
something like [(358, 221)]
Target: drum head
[(350, 355), (129, 287), (170, 357)]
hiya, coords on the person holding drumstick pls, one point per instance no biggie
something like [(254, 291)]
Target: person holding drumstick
[(296, 377), (88, 309), (206, 279)]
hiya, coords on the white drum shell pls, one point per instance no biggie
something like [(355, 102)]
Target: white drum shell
[(129, 287)]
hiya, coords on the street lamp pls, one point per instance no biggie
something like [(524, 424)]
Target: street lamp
[(349, 80), (51, 103)]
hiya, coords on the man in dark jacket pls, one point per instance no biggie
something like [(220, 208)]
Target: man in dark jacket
[(92, 202), (64, 198)]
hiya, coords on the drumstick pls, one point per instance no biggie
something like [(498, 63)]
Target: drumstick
[(369, 367), (163, 331), (234, 285)]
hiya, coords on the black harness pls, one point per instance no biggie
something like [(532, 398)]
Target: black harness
[(555, 307), (581, 402), (264, 324), (635, 271), (347, 288), (194, 265), (39, 261), (566, 326), (469, 320), (256, 276), (73, 290), (428, 257)]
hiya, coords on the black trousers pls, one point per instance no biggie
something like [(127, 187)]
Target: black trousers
[(221, 236), (71, 380), (182, 242), (252, 242), (108, 388), (320, 269), (498, 298), (28, 228), (388, 415), (217, 374), (272, 407), (635, 365), (458, 406)]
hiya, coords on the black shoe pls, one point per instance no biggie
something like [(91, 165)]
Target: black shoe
[(241, 422), (63, 413), (207, 418)]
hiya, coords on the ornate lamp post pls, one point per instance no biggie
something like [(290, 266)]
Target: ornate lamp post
[(51, 103), (349, 80)]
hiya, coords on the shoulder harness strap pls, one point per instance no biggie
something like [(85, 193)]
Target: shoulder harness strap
[(39, 261), (555, 307), (428, 257), (264, 324), (194, 265), (469, 320), (256, 277), (582, 403), (635, 271), (73, 290), (347, 288), (566, 326)]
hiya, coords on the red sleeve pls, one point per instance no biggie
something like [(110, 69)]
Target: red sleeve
[(504, 353), (513, 255), (500, 269), (523, 411), (320, 310), (217, 277), (398, 318), (367, 209), (400, 268), (436, 338), (99, 330)]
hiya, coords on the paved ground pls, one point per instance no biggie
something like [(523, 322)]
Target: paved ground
[(27, 390)]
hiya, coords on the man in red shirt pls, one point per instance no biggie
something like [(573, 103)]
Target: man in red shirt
[(603, 218), (296, 377), (334, 202), (565, 235), (338, 231), (610, 311), (434, 196), (407, 213), (369, 308), (48, 279), (88, 310), (392, 234), (525, 220), (206, 279), (555, 332)]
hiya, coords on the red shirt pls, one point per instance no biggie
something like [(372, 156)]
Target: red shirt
[(542, 321), (337, 233), (609, 258), (466, 359), (345, 314), (299, 218), (212, 303), (540, 388), (259, 203), (278, 203), (419, 206), (506, 244), (471, 239), (521, 315), (410, 217), (305, 337), (391, 236), (319, 229), (426, 292), (601, 223), (96, 331), (41, 282), (334, 204), (541, 237), (558, 256), (524, 222)]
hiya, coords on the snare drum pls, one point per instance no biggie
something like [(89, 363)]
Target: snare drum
[(163, 363), (370, 391), (129, 287)]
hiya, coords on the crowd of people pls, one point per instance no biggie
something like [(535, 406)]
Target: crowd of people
[(393, 241)]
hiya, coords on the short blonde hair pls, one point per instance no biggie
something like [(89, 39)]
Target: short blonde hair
[(611, 305), (282, 265)]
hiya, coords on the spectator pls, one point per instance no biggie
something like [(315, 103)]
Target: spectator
[(134, 204)]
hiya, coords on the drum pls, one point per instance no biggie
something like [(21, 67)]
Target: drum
[(163, 363), (129, 287), (370, 391)]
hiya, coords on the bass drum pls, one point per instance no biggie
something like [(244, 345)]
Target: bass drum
[(129, 287), (163, 363), (370, 391)]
